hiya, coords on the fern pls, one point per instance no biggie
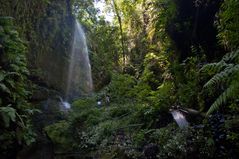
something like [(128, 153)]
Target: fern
[(213, 68), (232, 56), (221, 76), (225, 72), (223, 98)]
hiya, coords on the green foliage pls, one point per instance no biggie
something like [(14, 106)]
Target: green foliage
[(140, 100), (8, 115), (138, 113), (46, 26), (92, 127), (83, 104), (162, 13), (14, 108), (225, 73), (186, 79), (181, 143), (163, 97), (151, 104), (154, 87), (86, 111), (139, 138), (59, 134), (103, 42), (120, 86), (155, 69), (228, 24), (141, 91), (104, 52), (119, 111)]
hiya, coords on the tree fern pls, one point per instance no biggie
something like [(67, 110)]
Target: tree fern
[(224, 72)]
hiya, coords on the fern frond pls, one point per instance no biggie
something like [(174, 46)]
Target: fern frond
[(223, 98), (225, 70), (213, 68), (229, 57), (222, 76)]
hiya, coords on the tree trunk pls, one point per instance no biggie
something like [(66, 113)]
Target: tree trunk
[(121, 31)]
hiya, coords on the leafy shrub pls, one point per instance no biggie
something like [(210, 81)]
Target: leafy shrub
[(163, 97), (83, 104), (228, 24), (59, 134), (119, 110), (15, 111), (87, 118), (180, 143), (225, 74), (141, 91), (155, 69), (139, 138), (120, 86), (187, 81)]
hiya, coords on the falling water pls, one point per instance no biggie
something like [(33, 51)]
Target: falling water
[(64, 105), (79, 80), (179, 118)]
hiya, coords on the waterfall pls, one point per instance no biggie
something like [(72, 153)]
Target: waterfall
[(79, 80), (64, 105), (179, 118)]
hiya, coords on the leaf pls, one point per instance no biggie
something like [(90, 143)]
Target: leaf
[(2, 76), (11, 83), (222, 76), (4, 88), (32, 111), (8, 114), (231, 56), (226, 73), (222, 99), (213, 68)]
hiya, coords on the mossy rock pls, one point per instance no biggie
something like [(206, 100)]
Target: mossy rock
[(6, 21)]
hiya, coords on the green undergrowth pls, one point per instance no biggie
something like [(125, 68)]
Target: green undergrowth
[(124, 131), (129, 125)]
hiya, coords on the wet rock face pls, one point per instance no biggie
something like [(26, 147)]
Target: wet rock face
[(55, 33), (47, 28)]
